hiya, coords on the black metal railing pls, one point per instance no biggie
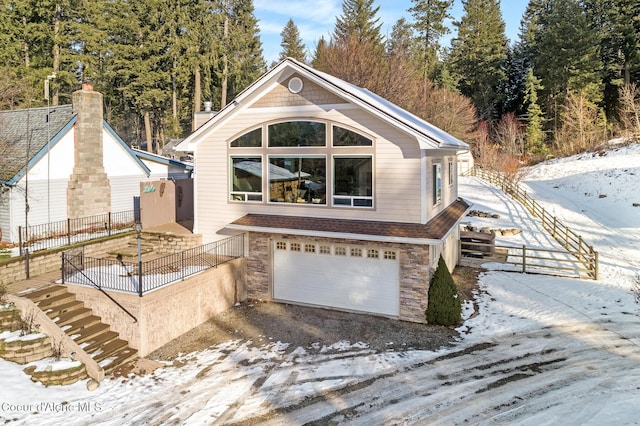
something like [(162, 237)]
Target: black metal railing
[(71, 231), (142, 277), (74, 263)]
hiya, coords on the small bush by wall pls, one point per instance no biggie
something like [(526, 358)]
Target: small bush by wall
[(444, 306)]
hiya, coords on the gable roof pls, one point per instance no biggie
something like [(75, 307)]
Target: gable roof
[(15, 124), (427, 135), (159, 159), (25, 130)]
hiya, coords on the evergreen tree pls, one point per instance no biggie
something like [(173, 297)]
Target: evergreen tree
[(617, 24), (444, 306), (401, 40), (359, 21), (561, 26), (429, 23), (292, 45), (478, 56), (534, 137), (241, 61)]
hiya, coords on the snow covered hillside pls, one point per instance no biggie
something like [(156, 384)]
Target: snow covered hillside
[(542, 350)]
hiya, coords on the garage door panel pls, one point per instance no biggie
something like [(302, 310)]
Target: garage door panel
[(345, 282)]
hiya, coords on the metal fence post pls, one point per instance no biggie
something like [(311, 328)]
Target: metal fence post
[(69, 231), (524, 259), (26, 263)]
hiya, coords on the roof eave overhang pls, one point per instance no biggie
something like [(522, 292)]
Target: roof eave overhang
[(340, 235)]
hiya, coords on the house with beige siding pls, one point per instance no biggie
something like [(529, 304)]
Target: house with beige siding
[(346, 200)]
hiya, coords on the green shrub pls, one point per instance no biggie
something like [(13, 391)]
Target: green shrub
[(444, 306)]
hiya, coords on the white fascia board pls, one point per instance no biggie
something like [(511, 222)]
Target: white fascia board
[(347, 236)]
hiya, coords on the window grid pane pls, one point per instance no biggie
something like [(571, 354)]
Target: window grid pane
[(299, 180), (297, 134), (246, 179), (252, 139), (390, 255), (345, 137)]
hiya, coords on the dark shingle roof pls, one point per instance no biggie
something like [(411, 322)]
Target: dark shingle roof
[(435, 229), (14, 127)]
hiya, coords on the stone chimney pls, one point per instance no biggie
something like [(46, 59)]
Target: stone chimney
[(88, 190)]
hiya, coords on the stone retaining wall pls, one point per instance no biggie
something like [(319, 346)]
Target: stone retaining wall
[(13, 269), (170, 311)]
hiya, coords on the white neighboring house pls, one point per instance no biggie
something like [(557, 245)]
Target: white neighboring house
[(42, 148), (346, 200), (465, 162)]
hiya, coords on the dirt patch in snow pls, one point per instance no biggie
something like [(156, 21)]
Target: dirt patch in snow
[(314, 329)]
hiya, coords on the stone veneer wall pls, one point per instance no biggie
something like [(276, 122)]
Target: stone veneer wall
[(13, 269), (169, 311), (88, 190), (415, 272), (311, 94), (165, 243)]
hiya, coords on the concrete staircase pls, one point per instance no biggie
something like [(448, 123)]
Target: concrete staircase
[(86, 329)]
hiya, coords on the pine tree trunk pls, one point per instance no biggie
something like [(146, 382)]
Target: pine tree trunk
[(174, 92), (56, 51), (197, 96), (25, 45), (225, 59), (147, 131)]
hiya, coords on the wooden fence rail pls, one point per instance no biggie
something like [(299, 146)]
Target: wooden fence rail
[(572, 242), (526, 259)]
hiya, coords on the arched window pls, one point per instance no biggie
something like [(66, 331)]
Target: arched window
[(346, 137), (252, 139), (297, 133)]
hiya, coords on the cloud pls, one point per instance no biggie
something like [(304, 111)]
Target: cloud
[(322, 11)]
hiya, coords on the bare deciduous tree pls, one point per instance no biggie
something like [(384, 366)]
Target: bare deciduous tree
[(510, 135), (582, 127), (630, 111)]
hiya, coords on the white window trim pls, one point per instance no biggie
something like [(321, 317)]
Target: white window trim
[(327, 125), (332, 125), (434, 187), (452, 175), (245, 195), (351, 197), (294, 156)]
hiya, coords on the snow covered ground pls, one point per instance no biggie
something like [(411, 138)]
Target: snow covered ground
[(542, 350)]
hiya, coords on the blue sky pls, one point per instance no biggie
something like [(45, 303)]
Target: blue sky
[(316, 18)]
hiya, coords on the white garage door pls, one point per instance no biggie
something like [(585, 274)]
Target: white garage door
[(340, 276)]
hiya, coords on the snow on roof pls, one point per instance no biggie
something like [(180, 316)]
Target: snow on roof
[(437, 135), (427, 135)]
